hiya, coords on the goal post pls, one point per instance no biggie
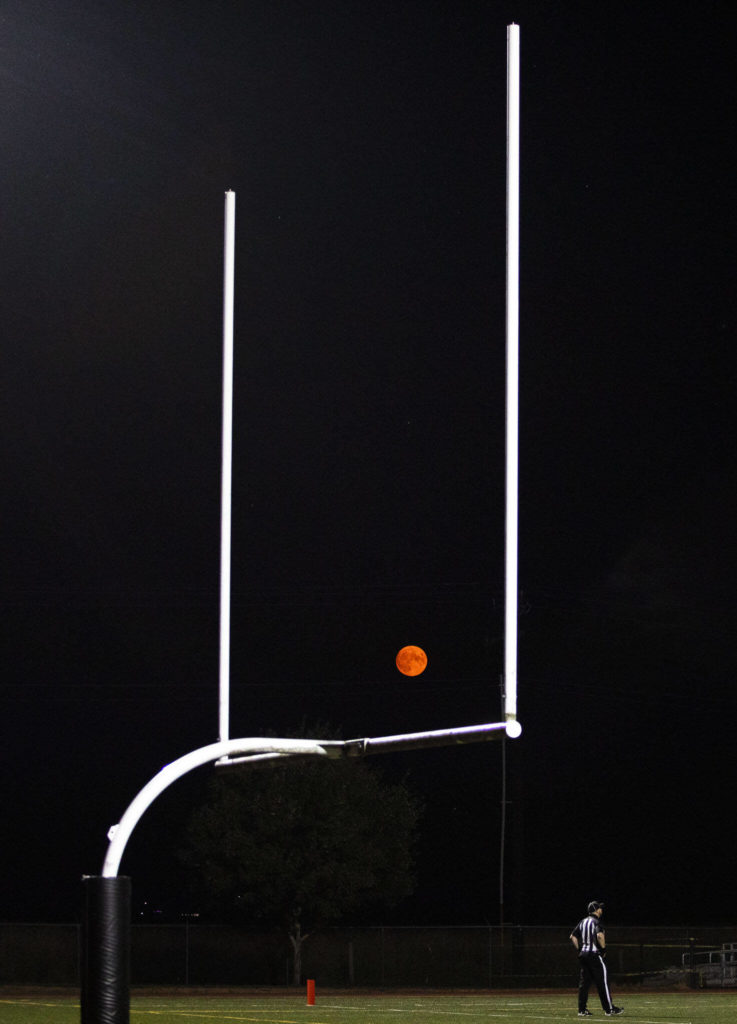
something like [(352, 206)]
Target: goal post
[(105, 996)]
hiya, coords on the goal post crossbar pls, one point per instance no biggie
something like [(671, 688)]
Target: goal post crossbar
[(435, 738)]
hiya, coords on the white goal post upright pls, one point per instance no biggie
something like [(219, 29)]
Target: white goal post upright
[(226, 498), (512, 396), (509, 677)]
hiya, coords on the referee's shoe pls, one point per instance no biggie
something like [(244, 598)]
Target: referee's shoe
[(614, 1012)]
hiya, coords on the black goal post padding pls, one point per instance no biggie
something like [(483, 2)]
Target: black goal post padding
[(105, 961)]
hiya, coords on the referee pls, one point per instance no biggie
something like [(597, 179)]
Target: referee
[(590, 943)]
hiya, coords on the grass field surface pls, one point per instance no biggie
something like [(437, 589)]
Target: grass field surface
[(348, 1008)]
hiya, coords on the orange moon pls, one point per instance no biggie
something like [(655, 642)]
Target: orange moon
[(411, 661)]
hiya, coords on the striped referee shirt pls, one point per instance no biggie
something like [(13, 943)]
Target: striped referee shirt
[(586, 931)]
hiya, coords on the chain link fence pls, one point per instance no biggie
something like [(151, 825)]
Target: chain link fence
[(200, 955)]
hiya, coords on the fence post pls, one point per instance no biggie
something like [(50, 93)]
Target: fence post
[(351, 965)]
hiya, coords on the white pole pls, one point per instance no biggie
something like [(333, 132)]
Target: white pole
[(510, 623), (227, 468)]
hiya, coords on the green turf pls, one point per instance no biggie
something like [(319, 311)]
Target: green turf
[(348, 1008)]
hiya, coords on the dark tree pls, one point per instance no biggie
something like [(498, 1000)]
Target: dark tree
[(300, 844)]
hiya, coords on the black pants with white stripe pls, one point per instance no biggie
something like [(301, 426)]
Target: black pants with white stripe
[(593, 969)]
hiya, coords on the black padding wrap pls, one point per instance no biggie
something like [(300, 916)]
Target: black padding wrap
[(105, 995)]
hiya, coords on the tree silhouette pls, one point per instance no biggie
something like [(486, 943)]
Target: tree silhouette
[(302, 844)]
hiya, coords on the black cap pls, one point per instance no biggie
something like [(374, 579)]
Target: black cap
[(594, 906)]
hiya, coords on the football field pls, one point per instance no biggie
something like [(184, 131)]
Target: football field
[(351, 1008)]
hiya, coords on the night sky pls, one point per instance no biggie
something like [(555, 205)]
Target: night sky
[(366, 144)]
